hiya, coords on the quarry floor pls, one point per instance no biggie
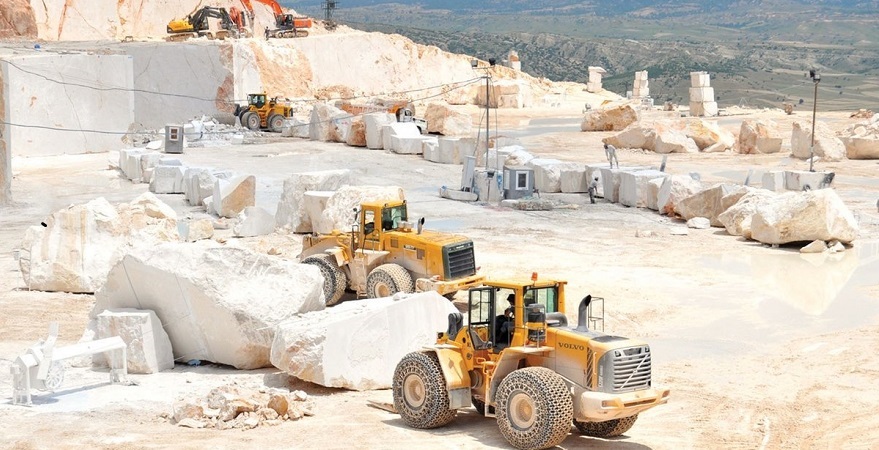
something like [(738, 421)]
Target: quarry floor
[(761, 347)]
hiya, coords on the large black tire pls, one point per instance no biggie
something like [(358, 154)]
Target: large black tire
[(534, 408), (420, 394), (250, 120), (276, 123), (607, 429), (479, 405), (335, 280), (388, 279)]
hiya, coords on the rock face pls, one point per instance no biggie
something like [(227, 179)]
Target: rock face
[(291, 212), (446, 121), (610, 119), (233, 195), (357, 345), (17, 20), (148, 347), (217, 303), (674, 190), (338, 214), (827, 145), (80, 244), (759, 136), (710, 202), (804, 216)]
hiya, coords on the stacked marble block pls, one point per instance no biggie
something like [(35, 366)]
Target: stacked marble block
[(594, 83), (702, 100), (630, 186), (795, 180), (641, 88)]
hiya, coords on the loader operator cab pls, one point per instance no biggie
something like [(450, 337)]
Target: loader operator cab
[(385, 216), (494, 330), (258, 100)]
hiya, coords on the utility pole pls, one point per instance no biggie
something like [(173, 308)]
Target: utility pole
[(487, 116), (816, 78)]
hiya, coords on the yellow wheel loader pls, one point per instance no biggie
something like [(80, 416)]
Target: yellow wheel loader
[(384, 254), (522, 364), (262, 113)]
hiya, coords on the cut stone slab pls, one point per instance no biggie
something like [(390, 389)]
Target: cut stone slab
[(653, 187), (296, 127), (737, 218), (610, 179), (356, 136), (407, 145), (338, 213), (254, 221), (233, 195), (699, 223), (447, 121), (827, 145), (453, 150), (399, 130), (80, 244), (573, 179), (759, 136), (861, 147), (357, 345), (314, 203), (709, 203), (593, 171), (167, 179), (609, 119), (458, 195), (291, 213), (430, 150), (804, 217), (217, 303), (195, 230), (674, 190), (548, 173), (148, 349), (324, 125), (800, 180), (375, 123), (773, 180), (485, 185), (634, 190)]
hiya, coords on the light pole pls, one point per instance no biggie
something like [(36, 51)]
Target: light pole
[(816, 78), (475, 64)]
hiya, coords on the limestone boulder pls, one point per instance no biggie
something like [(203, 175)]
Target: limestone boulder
[(356, 132), (634, 190), (653, 187), (296, 126), (325, 123), (148, 349), (291, 213), (759, 136), (338, 214), (804, 217), (614, 118), (375, 123), (195, 230), (357, 345), (517, 156), (674, 141), (548, 173), (635, 136), (827, 145), (861, 147), (217, 303), (167, 179), (231, 196), (79, 244), (707, 134), (709, 203), (674, 190), (446, 121), (254, 221)]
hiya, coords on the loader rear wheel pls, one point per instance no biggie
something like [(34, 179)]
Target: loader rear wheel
[(610, 428), (420, 394), (276, 123), (250, 120), (534, 408), (335, 280), (388, 279)]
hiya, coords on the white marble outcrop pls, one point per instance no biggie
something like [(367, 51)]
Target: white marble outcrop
[(291, 212)]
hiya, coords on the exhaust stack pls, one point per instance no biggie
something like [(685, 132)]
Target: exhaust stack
[(583, 317), (420, 224)]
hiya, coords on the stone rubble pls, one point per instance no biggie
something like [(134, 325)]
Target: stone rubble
[(231, 407)]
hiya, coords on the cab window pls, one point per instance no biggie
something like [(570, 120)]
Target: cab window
[(548, 297), (393, 217)]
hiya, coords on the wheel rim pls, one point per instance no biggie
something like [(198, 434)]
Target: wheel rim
[(253, 122), (521, 411), (413, 391), (278, 123), (383, 290)]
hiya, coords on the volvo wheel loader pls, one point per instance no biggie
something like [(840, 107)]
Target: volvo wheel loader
[(383, 254), (262, 113), (535, 374)]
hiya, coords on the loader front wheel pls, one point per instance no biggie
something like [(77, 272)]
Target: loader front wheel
[(607, 429), (420, 394), (276, 123), (534, 408), (388, 279), (335, 280), (250, 120)]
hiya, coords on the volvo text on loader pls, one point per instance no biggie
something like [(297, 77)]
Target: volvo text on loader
[(537, 379), (383, 255)]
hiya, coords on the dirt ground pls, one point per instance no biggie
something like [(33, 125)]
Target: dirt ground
[(761, 347)]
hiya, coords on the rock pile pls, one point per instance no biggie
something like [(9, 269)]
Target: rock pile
[(229, 407)]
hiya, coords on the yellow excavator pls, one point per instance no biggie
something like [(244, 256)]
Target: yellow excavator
[(197, 24), (522, 364)]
